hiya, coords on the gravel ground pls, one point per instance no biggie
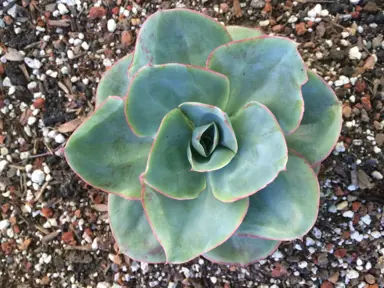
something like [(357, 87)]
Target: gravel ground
[(54, 228)]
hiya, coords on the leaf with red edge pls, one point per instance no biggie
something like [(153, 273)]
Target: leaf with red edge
[(320, 128), (132, 232), (287, 208), (189, 228), (242, 250), (106, 154)]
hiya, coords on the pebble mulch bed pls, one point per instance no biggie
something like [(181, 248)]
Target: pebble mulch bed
[(54, 228)]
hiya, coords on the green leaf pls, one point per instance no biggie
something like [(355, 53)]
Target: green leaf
[(320, 128), (115, 81), (202, 114), (189, 228), (287, 208), (268, 70), (156, 90), (316, 168), (205, 139), (217, 160), (168, 168), (132, 232), (106, 154), (240, 32), (242, 250), (177, 36), (261, 156)]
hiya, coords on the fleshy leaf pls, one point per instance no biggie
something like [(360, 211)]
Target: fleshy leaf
[(217, 160), (320, 128), (242, 250), (202, 114), (261, 156), (185, 228), (268, 70), (177, 36), (205, 139), (115, 81), (168, 168), (316, 168), (241, 32), (156, 90), (132, 232), (106, 154), (287, 208)]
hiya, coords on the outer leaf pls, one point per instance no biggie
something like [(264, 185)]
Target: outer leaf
[(261, 156), (106, 154), (242, 250), (157, 90), (185, 228), (265, 69), (168, 168), (177, 36), (132, 232), (115, 81), (201, 114), (321, 125), (241, 32), (287, 208), (217, 160)]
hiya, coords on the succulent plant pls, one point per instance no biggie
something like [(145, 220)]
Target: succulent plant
[(218, 154)]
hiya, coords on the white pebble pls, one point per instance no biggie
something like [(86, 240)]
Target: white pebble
[(345, 34), (309, 241), (377, 175), (348, 214), (4, 224), (360, 29), (354, 2), (376, 234), (376, 149), (32, 85), (264, 23), (302, 264), (31, 120), (213, 279), (28, 168), (62, 9), (340, 147), (4, 151), (352, 274), (32, 63), (38, 176), (354, 53), (85, 46), (59, 138), (324, 13), (366, 219), (70, 54), (111, 25), (24, 155), (3, 165)]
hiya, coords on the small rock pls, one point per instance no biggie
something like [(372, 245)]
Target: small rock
[(111, 25), (257, 4), (4, 224), (62, 9), (342, 205), (354, 53), (38, 176), (352, 274), (103, 285), (3, 165), (376, 235), (97, 12), (370, 7), (377, 175), (126, 38), (264, 23), (379, 139), (59, 138), (348, 214), (347, 111), (300, 28)]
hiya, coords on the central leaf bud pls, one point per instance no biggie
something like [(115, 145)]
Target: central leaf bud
[(205, 139), (213, 143)]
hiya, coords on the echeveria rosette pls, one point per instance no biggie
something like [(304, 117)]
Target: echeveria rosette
[(201, 138)]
